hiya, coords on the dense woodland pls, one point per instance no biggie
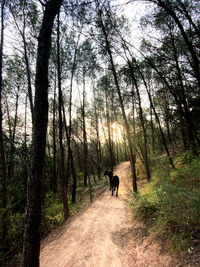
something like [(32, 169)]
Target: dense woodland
[(80, 93)]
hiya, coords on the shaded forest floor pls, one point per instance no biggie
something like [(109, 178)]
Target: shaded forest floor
[(105, 233)]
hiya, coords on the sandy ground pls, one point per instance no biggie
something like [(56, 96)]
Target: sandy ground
[(105, 235)]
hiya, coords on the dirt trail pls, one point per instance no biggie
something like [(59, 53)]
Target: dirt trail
[(103, 235)]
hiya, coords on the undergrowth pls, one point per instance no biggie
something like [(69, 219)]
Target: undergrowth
[(52, 218), (53, 206), (170, 202)]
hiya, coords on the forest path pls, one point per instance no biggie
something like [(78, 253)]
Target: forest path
[(104, 235)]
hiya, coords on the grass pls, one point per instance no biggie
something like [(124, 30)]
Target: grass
[(170, 203)]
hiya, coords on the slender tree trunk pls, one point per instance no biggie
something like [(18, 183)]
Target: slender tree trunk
[(146, 159), (28, 72), (156, 115), (109, 133), (63, 174), (160, 128), (74, 185), (152, 130), (98, 145), (31, 245), (3, 173), (54, 175), (12, 149), (131, 154), (84, 135), (70, 160), (133, 110), (25, 145)]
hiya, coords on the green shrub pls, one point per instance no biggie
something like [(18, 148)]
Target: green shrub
[(170, 203), (53, 211)]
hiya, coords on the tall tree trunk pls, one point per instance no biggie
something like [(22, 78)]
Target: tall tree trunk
[(25, 144), (63, 174), (98, 145), (110, 147), (70, 158), (146, 159), (54, 175), (158, 121), (152, 130), (31, 245), (131, 154), (74, 185), (3, 173), (84, 134), (11, 162)]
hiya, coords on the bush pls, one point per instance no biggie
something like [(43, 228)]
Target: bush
[(53, 211), (170, 203)]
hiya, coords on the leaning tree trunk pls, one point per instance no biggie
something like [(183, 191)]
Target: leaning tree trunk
[(158, 121), (146, 159), (195, 60), (31, 245), (109, 52)]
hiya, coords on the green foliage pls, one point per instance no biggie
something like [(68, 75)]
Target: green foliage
[(170, 203), (53, 209), (14, 237)]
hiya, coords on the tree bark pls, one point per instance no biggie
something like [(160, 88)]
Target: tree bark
[(3, 173), (11, 161), (98, 145), (110, 147), (84, 135), (63, 174), (31, 245), (54, 175)]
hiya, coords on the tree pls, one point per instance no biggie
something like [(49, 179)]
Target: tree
[(106, 33), (31, 246), (63, 176), (3, 173), (25, 14)]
